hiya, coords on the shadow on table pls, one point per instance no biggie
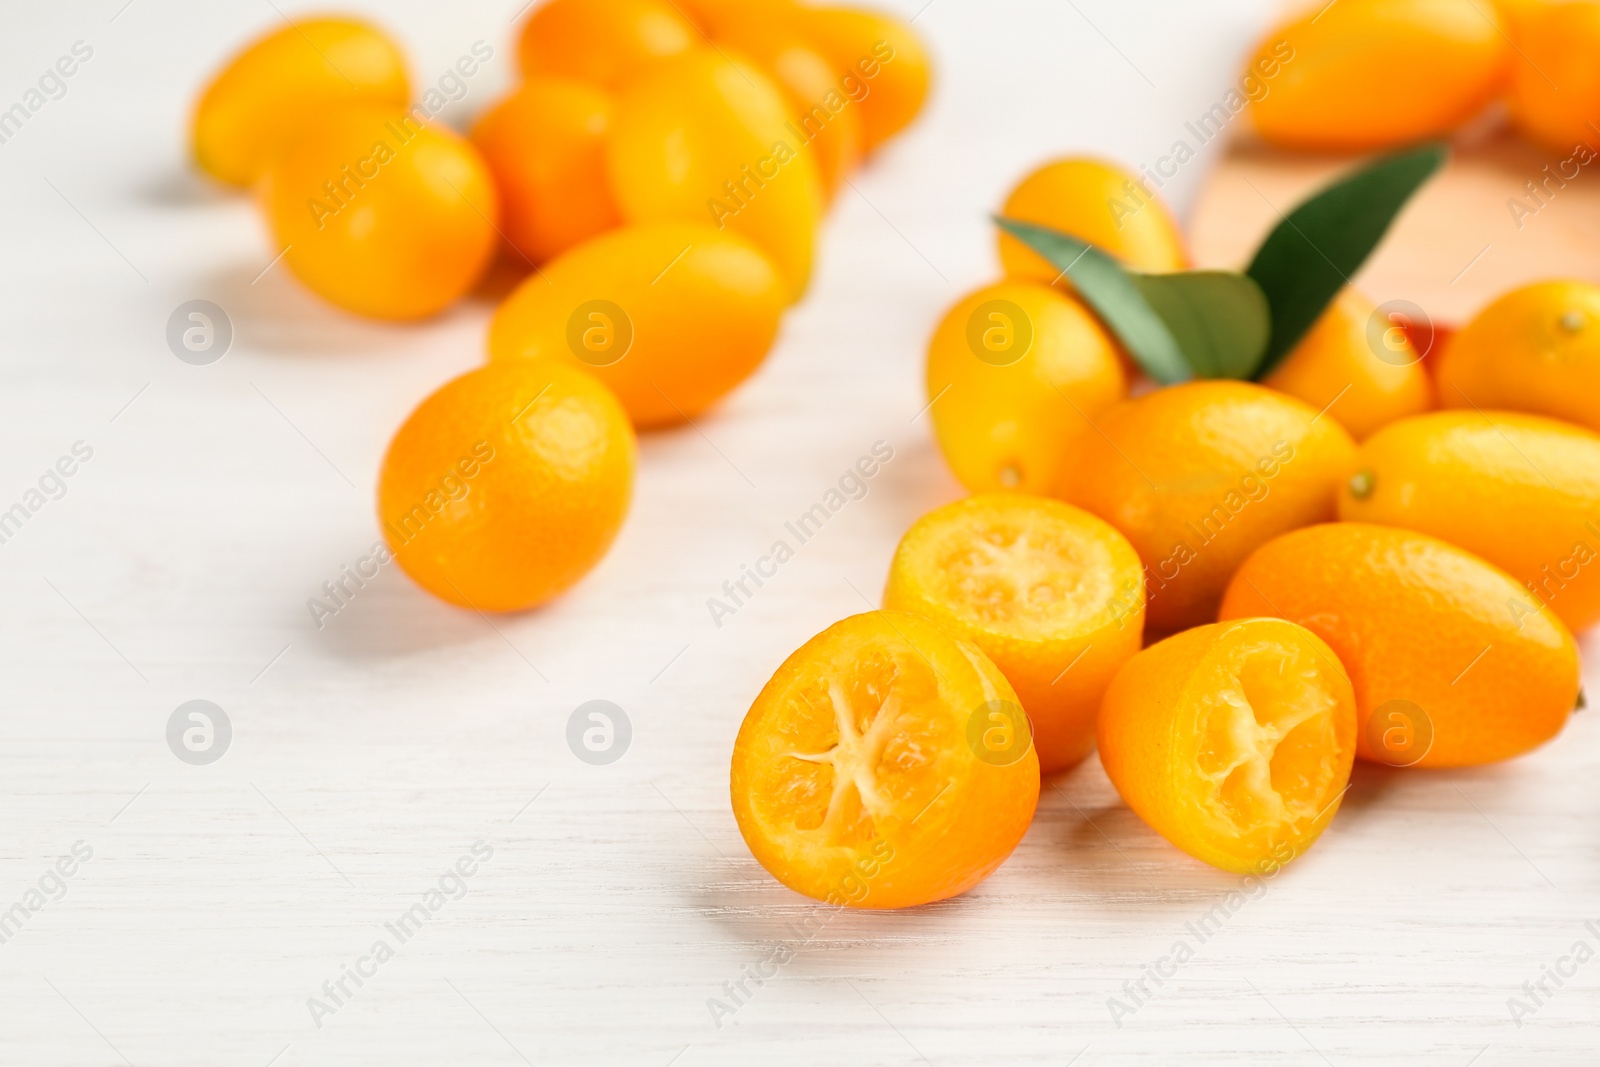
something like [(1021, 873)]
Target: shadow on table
[(181, 188), (274, 314), (1372, 785), (390, 618)]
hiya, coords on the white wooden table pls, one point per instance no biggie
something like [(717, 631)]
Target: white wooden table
[(370, 755)]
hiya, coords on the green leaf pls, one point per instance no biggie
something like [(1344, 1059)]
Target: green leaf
[(1115, 297), (1314, 251), (1220, 319), (1206, 324)]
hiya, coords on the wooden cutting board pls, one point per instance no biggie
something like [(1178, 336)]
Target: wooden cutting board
[(1462, 242)]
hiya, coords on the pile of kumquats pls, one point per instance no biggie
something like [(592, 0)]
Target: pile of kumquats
[(1231, 528), (659, 176)]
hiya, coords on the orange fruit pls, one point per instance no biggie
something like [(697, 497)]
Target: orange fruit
[(545, 146), (880, 61), (1053, 595), (382, 215), (1361, 368), (1367, 74), (1015, 372), (1555, 86), (1535, 349), (707, 139), (1234, 741), (827, 124), (602, 41), (507, 485), (1444, 473), (1095, 202), (886, 764), (710, 15), (1454, 664), (1198, 476), (286, 82), (1515, 14), (671, 316)]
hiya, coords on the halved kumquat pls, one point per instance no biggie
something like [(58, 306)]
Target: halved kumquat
[(1234, 741), (886, 764), (1053, 595)]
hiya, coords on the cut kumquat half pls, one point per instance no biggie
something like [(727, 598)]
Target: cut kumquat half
[(886, 764), (1234, 741), (1052, 594)]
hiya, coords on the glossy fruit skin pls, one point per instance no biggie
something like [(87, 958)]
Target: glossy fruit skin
[(1369, 74), (507, 485), (1007, 422), (692, 310), (1096, 202), (381, 214), (1521, 491), (604, 42), (880, 52), (285, 82), (1493, 672), (708, 139), (1555, 87), (545, 146), (1198, 476), (1051, 594), (1175, 713), (827, 119), (941, 818), (1536, 349), (1364, 373)]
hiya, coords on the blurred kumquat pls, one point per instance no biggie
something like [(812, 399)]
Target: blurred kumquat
[(287, 81), (669, 315)]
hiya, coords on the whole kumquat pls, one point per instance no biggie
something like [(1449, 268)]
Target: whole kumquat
[(507, 485), (1444, 473), (706, 138), (827, 122), (545, 146), (1454, 663), (381, 214), (1555, 88), (1096, 202), (1198, 476), (879, 52), (671, 316), (1367, 74), (1015, 372), (285, 83), (1359, 367), (1535, 349)]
